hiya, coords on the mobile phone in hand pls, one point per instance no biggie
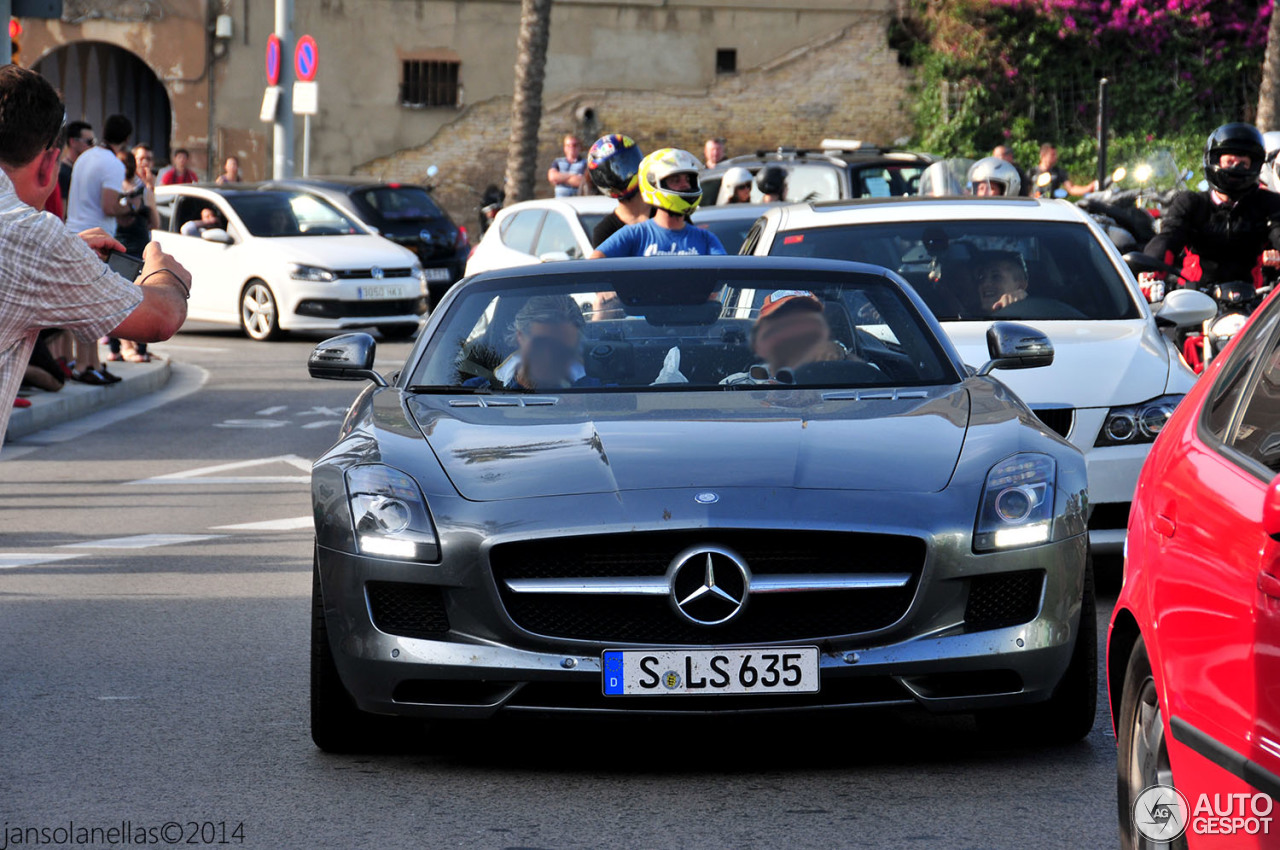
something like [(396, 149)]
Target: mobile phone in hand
[(125, 265)]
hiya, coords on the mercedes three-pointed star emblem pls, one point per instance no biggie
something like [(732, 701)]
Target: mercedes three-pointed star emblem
[(709, 585)]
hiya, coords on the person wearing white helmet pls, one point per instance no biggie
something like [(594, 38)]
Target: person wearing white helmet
[(1270, 176), (669, 184), (993, 176), (735, 187)]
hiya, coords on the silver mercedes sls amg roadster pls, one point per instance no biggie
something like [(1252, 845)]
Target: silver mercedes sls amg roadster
[(694, 485)]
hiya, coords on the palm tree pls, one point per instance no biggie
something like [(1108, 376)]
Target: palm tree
[(526, 102), (1269, 92)]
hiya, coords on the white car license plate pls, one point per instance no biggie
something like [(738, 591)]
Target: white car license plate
[(437, 274), (374, 293), (700, 672)]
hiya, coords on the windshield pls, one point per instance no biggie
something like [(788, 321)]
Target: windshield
[(884, 181), (276, 214), (731, 232), (398, 203), (682, 330), (983, 270), (806, 183), (589, 221)]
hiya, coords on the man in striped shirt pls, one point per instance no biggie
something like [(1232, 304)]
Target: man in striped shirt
[(50, 278)]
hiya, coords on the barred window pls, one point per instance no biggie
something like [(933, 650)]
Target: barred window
[(427, 83)]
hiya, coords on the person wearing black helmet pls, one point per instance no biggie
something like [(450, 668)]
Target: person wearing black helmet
[(1228, 227), (772, 183), (613, 164)]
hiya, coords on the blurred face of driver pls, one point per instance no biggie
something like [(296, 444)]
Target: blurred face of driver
[(789, 338), (547, 351)]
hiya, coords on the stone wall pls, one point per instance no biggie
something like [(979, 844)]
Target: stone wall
[(847, 85)]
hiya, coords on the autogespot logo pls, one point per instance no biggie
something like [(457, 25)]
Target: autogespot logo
[(1160, 813)]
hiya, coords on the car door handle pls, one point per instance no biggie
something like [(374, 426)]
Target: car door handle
[(1269, 585), (1165, 526)]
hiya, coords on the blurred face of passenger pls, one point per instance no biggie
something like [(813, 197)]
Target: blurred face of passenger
[(572, 147), (998, 279), (788, 339), (547, 352), (742, 194), (209, 218)]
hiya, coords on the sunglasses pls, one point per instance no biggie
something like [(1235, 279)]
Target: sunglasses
[(60, 134)]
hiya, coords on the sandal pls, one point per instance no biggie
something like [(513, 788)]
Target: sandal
[(97, 377), (138, 357), (115, 357)]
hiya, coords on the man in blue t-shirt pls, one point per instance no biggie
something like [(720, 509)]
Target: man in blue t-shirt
[(568, 173), (669, 184)]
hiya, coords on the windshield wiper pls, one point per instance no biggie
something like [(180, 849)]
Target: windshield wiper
[(441, 389)]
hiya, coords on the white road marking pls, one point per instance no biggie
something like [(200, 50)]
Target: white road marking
[(271, 411), (323, 423), (251, 423), (9, 560), (209, 474), (291, 524), (324, 411), (112, 699), (141, 541)]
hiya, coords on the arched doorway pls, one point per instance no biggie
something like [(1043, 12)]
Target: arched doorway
[(98, 79)]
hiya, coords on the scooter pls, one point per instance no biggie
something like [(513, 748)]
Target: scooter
[(1236, 300)]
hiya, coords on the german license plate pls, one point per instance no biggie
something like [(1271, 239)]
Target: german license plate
[(703, 672), (437, 275), (374, 293)]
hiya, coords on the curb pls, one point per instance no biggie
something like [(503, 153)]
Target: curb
[(76, 400)]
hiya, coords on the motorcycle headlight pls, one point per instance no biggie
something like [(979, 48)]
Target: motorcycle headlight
[(1137, 423), (315, 274), (1228, 326), (1017, 504), (390, 516)]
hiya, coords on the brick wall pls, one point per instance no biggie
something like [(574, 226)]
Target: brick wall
[(846, 85)]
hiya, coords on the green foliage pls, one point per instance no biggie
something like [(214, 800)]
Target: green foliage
[(1022, 72)]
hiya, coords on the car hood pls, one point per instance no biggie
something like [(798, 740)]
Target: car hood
[(604, 443), (1095, 364), (355, 251)]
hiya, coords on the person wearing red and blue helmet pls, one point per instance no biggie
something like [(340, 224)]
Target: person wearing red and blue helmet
[(613, 164)]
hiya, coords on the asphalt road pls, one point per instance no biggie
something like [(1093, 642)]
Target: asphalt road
[(154, 589)]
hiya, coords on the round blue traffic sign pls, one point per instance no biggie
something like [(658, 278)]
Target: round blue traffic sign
[(305, 58), (273, 60)]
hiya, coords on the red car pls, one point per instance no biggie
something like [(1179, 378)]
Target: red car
[(1193, 653)]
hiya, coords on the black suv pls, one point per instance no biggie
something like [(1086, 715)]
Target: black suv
[(402, 212), (840, 169)]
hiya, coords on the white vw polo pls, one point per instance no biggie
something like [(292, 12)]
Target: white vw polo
[(273, 260), (1115, 379)]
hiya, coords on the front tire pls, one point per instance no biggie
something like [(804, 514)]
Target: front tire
[(1068, 715), (337, 725), (1142, 753), (259, 312)]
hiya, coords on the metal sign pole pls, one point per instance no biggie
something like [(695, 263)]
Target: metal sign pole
[(282, 139), (6, 46), (306, 145)]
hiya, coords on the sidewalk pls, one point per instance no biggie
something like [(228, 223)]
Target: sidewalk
[(76, 400)]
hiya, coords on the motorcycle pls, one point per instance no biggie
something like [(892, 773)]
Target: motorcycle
[(1236, 300), (1133, 199)]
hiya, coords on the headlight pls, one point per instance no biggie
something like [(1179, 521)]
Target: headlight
[(421, 274), (1137, 423), (315, 274), (1228, 326), (390, 515), (1017, 504)]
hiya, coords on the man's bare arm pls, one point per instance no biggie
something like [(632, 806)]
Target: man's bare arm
[(111, 205), (165, 287)]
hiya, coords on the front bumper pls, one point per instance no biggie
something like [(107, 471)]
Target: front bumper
[(305, 305), (929, 658), (1113, 477)]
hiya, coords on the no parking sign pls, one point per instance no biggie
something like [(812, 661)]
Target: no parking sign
[(306, 56)]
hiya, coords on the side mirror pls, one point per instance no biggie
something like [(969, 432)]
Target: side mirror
[(348, 357), (1271, 510), (1014, 346), (1186, 308), (217, 234), (554, 257)]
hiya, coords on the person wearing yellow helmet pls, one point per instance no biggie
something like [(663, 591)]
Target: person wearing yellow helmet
[(668, 183)]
